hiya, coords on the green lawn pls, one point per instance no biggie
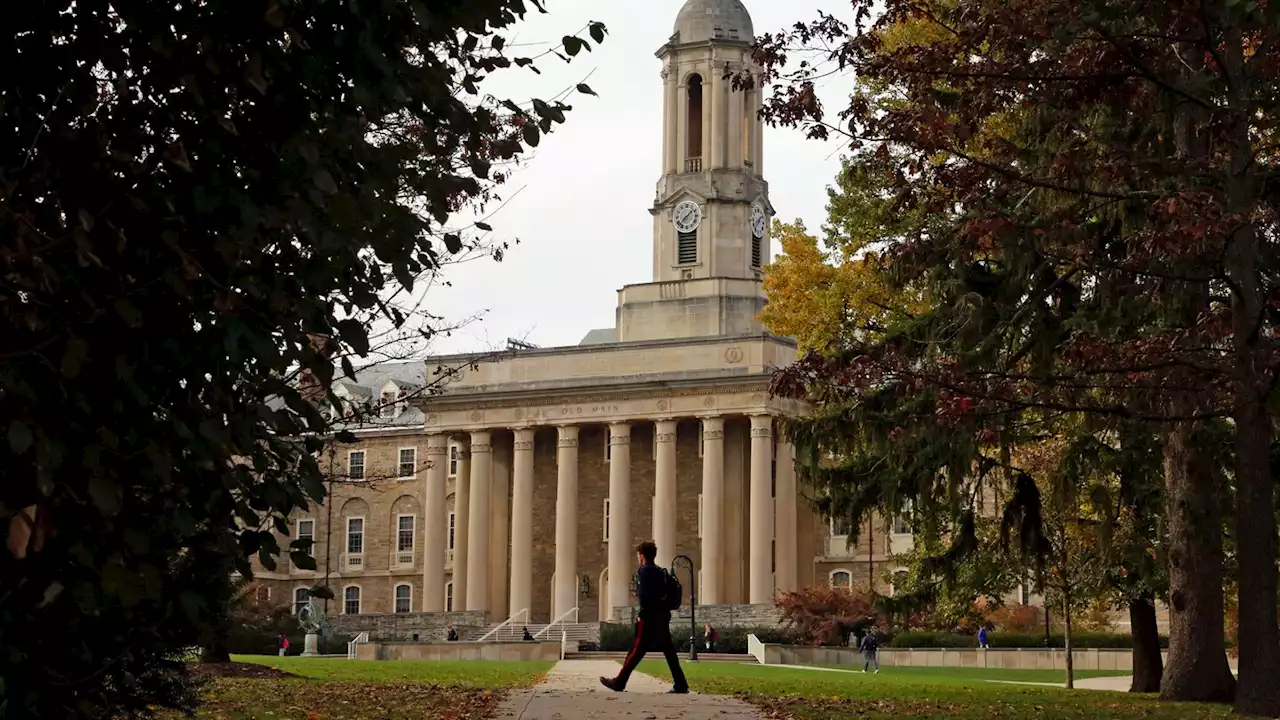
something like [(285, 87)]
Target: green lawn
[(923, 693), (479, 674), (341, 689)]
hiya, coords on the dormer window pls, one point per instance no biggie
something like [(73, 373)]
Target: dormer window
[(387, 408)]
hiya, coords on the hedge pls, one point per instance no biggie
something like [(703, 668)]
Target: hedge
[(616, 637), (1082, 641)]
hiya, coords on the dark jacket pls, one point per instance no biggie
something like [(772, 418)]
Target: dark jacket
[(651, 585), (869, 645)]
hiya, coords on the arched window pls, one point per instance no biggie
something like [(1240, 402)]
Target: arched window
[(301, 596), (351, 601), (693, 130), (841, 579), (404, 598), (899, 580)]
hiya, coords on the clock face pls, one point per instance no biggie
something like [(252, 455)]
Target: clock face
[(687, 216), (758, 221)]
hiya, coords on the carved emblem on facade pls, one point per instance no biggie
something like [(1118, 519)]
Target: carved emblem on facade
[(733, 355)]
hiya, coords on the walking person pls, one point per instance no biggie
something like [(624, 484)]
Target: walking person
[(982, 637), (659, 593), (870, 648), (710, 638), (283, 644)]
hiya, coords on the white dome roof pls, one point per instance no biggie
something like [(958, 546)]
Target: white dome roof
[(701, 20)]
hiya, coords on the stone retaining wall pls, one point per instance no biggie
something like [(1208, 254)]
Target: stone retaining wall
[(1002, 658), (453, 651), (427, 627), (720, 616)]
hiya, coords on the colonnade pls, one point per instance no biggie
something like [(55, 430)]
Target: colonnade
[(472, 510)]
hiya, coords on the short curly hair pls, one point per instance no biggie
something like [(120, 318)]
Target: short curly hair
[(648, 550)]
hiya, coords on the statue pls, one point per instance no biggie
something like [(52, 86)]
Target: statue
[(311, 619)]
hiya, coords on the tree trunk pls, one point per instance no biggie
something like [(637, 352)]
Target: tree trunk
[(1197, 669), (1066, 639), (1256, 552), (1148, 665)]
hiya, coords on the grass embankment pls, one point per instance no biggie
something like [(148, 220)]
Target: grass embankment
[(292, 688), (923, 693)]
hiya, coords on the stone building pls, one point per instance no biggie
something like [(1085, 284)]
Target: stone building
[(529, 481)]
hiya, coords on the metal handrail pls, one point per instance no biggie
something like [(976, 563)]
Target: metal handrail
[(505, 623), (559, 620), (351, 646)]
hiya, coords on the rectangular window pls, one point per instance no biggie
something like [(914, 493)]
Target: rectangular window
[(757, 252), (404, 598), (687, 248), (452, 528), (302, 596), (700, 440), (351, 601), (387, 405), (606, 519), (355, 536), (307, 531), (608, 446), (404, 534), (355, 465), (408, 462), (448, 597), (839, 528), (453, 461)]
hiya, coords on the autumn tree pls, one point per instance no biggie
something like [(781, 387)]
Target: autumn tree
[(191, 194), (1110, 251)]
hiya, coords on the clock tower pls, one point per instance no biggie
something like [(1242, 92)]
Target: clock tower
[(711, 211)]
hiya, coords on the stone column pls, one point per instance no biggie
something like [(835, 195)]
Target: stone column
[(719, 114), (461, 523), (522, 521), (734, 145), (664, 504), (435, 524), (785, 525), (671, 134), (499, 531), (760, 549), (712, 510), (710, 86), (478, 532), (566, 596), (622, 556)]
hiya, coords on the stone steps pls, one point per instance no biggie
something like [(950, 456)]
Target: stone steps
[(576, 632)]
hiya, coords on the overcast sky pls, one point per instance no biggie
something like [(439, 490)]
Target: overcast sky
[(581, 213)]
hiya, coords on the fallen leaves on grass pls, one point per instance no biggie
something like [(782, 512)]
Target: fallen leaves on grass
[(1072, 708), (299, 699), (236, 670)]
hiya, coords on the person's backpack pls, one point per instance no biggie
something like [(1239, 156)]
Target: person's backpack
[(672, 590)]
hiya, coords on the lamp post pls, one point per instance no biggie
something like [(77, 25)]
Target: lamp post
[(693, 602)]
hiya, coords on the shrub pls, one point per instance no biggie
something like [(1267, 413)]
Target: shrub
[(824, 615), (1016, 618)]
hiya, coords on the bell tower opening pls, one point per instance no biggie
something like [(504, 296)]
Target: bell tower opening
[(693, 128)]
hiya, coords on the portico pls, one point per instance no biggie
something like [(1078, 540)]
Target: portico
[(635, 418)]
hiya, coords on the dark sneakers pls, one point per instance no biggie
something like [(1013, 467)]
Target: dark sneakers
[(611, 684)]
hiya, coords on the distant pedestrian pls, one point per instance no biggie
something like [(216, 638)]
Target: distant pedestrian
[(527, 637), (870, 648), (710, 637), (451, 635), (659, 594), (982, 637), (283, 644)]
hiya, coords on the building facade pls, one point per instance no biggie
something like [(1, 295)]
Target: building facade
[(528, 482)]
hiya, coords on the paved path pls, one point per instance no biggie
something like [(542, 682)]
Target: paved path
[(572, 691)]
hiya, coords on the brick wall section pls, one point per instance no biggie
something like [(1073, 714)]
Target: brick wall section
[(403, 626)]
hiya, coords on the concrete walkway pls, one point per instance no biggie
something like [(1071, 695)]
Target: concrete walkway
[(572, 691)]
